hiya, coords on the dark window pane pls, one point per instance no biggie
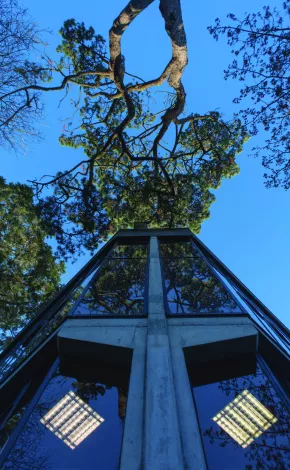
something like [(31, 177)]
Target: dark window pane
[(129, 251), (76, 424), (178, 250), (10, 418), (191, 288), (118, 290), (244, 421)]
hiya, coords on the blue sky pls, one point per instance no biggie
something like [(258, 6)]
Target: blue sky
[(249, 228)]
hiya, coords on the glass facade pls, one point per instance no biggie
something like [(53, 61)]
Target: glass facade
[(72, 415), (77, 422), (244, 419), (41, 330), (119, 286), (190, 286)]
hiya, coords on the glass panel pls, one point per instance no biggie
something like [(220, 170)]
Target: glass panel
[(129, 251), (178, 250), (191, 288), (76, 424), (244, 422), (118, 290), (10, 418), (40, 331)]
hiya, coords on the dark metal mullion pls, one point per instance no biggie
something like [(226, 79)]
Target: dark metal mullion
[(14, 405), (57, 298), (45, 320), (273, 380), (241, 287), (17, 431), (257, 316)]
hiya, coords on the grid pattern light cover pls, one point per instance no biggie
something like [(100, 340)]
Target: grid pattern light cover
[(72, 420), (245, 418)]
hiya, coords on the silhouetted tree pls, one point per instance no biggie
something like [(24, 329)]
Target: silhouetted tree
[(19, 39), (260, 43)]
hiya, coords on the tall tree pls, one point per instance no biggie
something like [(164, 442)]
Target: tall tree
[(260, 43), (29, 272), (19, 38), (142, 160)]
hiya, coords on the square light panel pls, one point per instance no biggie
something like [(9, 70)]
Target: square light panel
[(245, 418), (72, 420)]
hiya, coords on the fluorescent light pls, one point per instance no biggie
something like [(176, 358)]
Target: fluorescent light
[(244, 418), (72, 420)]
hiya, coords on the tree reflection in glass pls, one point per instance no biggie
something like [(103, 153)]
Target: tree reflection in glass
[(119, 288), (39, 448), (190, 285), (269, 451)]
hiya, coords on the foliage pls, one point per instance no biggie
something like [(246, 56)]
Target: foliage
[(144, 158), (260, 43), (133, 174), (29, 272)]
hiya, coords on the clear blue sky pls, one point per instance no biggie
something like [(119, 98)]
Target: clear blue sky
[(249, 228)]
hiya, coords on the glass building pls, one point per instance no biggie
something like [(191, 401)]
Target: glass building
[(154, 356)]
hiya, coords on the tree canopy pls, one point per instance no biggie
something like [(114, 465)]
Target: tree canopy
[(144, 158), (260, 43), (29, 272)]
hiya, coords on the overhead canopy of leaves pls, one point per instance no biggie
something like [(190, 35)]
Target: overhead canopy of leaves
[(29, 272), (260, 43), (144, 158)]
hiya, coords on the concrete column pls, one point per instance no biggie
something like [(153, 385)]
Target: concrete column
[(162, 448), (132, 446)]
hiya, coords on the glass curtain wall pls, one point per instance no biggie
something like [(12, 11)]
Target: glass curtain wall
[(75, 422), (191, 287), (243, 415), (119, 287)]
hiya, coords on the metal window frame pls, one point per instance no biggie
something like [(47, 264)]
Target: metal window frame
[(107, 260), (34, 400), (215, 275), (36, 396), (58, 302), (280, 330)]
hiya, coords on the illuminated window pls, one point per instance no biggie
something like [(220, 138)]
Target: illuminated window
[(245, 418), (72, 420)]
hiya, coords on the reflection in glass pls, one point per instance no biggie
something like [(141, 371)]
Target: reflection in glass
[(10, 417), (244, 418), (256, 421), (129, 251), (178, 250), (118, 289), (86, 413), (71, 420), (191, 288), (41, 330)]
